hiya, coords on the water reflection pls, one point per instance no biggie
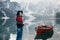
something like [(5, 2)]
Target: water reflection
[(58, 17)]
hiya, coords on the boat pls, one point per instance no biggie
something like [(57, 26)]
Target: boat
[(44, 32), (43, 29)]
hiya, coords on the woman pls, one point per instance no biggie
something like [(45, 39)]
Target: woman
[(20, 25)]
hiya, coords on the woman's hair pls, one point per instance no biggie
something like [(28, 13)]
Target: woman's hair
[(19, 12)]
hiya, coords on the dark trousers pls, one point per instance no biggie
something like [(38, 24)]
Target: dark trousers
[(19, 33)]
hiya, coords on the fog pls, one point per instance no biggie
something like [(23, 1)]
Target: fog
[(36, 12)]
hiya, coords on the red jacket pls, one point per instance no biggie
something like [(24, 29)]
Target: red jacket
[(19, 19)]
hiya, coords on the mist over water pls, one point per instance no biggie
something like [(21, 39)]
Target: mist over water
[(36, 12)]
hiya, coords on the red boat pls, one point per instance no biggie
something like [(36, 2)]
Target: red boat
[(43, 29)]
